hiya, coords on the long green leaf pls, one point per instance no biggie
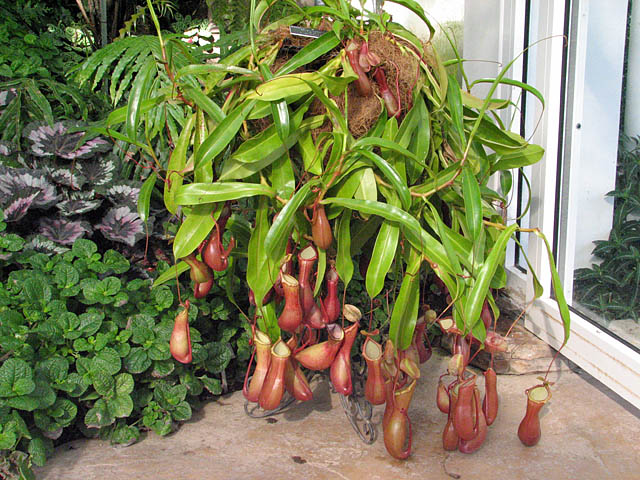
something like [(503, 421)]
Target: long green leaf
[(268, 142), (199, 193), (378, 141), (193, 230), (502, 141), (405, 310), (215, 68), (177, 162), (392, 175), (283, 177), (233, 169), (310, 52), (420, 142), (204, 172), (282, 225), (469, 100), (334, 112), (144, 199), (557, 290), (170, 273), (311, 159), (285, 87), (417, 236), (528, 156), (452, 252), (384, 252), (515, 83), (538, 290), (455, 106), (223, 134), (118, 136), (40, 101), (480, 288), (259, 273), (139, 93), (204, 102), (441, 178), (344, 260), (280, 114), (367, 189), (472, 202), (119, 115)]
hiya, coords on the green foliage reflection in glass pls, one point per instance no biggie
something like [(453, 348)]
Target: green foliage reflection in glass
[(612, 288)]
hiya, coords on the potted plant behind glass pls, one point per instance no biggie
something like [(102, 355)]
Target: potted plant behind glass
[(312, 150)]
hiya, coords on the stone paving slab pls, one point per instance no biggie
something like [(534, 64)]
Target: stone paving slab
[(587, 434)]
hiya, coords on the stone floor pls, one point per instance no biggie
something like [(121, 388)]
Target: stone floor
[(588, 433)]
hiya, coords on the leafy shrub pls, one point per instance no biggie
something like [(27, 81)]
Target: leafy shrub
[(38, 47), (84, 344), (64, 192), (32, 44)]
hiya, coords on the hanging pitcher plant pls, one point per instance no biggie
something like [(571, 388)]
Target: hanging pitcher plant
[(310, 151)]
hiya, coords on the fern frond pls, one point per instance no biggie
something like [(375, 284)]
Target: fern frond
[(126, 81), (131, 23), (134, 46), (125, 61), (127, 54)]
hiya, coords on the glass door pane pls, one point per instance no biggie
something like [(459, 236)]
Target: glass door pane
[(600, 196)]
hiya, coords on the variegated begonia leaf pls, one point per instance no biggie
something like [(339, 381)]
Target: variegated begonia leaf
[(7, 148), (68, 177), (62, 230), (13, 181), (82, 195), (44, 245), (76, 207), (16, 206), (6, 96), (56, 140), (124, 193), (122, 224), (98, 172)]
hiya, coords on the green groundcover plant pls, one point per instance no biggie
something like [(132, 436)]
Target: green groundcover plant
[(84, 344)]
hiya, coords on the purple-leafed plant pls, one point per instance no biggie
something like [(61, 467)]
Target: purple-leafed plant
[(100, 171), (41, 244), (61, 140), (6, 97), (77, 205), (66, 177), (65, 190), (122, 224), (17, 205), (7, 148), (17, 181), (123, 193), (62, 230)]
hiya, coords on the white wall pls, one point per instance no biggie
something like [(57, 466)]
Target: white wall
[(440, 10), (632, 112)]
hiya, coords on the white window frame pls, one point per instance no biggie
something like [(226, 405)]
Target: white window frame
[(594, 350)]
